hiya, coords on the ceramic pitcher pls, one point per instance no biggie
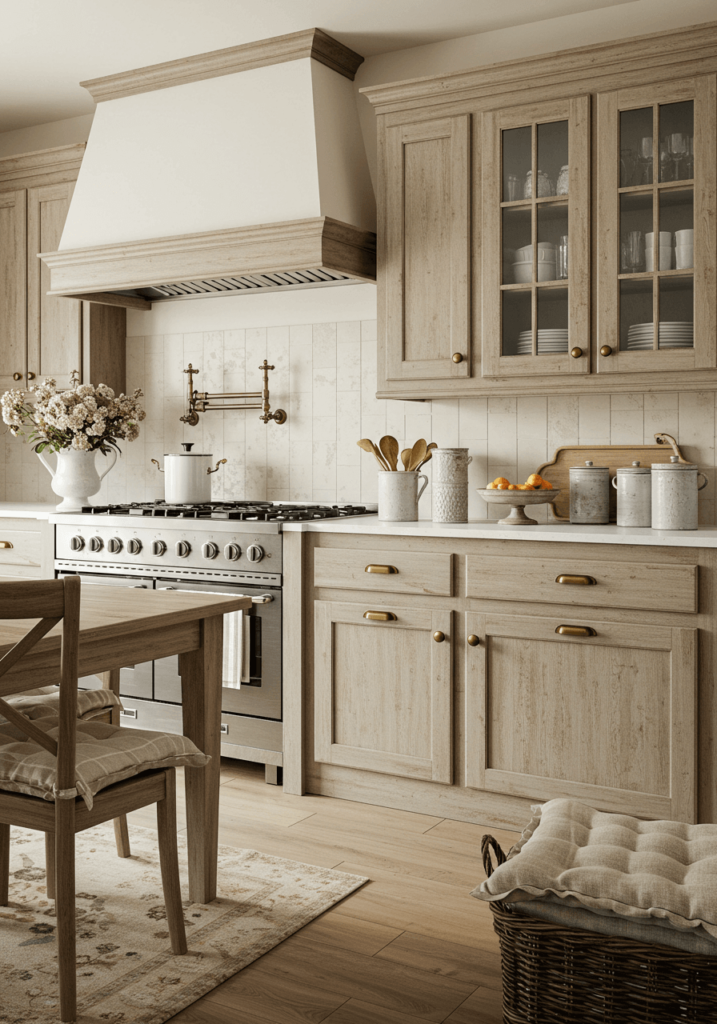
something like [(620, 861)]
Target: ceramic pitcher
[(75, 477), (398, 495)]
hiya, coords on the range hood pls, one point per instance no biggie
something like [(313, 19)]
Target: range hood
[(224, 173)]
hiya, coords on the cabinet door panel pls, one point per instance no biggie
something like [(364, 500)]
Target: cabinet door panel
[(54, 345), (609, 719), (427, 249), (13, 285), (382, 690)]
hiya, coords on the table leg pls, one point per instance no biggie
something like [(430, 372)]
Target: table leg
[(201, 672)]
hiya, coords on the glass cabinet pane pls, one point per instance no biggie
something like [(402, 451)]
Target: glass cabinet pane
[(637, 329), (552, 242), (676, 313), (517, 248), (636, 234), (517, 324), (636, 147), (677, 132), (517, 161), (552, 159), (552, 321)]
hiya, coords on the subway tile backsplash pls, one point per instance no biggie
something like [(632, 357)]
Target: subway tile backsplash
[(325, 378)]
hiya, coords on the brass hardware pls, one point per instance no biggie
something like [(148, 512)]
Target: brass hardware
[(5, 543), (17, 376), (575, 630), (576, 352), (473, 640), (220, 463), (203, 401), (157, 465), (380, 616), (457, 357), (588, 581), (388, 570), (439, 637), (31, 376), (606, 351)]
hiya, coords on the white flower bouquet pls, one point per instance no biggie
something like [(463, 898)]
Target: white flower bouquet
[(84, 417)]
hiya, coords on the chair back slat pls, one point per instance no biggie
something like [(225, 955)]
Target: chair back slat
[(32, 599), (69, 663), (21, 648), (24, 724)]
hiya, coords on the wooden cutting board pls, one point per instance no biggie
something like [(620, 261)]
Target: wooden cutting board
[(611, 455)]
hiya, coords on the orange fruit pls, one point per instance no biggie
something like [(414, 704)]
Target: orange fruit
[(546, 486), (491, 487), (534, 479), (501, 480), (502, 487), (512, 487), (524, 487)]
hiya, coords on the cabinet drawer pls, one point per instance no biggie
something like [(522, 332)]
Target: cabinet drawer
[(397, 572), (640, 585), (20, 548)]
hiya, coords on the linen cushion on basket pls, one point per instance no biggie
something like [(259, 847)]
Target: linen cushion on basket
[(105, 754), (615, 863), (46, 701)]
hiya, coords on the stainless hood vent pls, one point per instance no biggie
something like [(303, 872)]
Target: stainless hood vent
[(225, 173)]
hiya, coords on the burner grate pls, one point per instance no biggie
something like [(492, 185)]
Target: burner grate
[(241, 511)]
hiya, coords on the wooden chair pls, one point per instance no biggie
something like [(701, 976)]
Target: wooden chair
[(59, 601)]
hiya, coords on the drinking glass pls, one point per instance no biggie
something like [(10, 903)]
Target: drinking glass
[(635, 251), (644, 154), (563, 258), (677, 147), (628, 166)]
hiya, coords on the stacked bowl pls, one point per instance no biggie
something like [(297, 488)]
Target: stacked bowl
[(684, 249), (523, 264)]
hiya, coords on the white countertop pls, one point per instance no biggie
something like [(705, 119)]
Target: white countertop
[(26, 509), (704, 537)]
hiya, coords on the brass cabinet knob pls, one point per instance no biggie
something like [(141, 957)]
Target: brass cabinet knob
[(439, 637), (457, 357), (17, 376), (473, 640), (576, 352), (575, 631), (606, 350), (30, 376)]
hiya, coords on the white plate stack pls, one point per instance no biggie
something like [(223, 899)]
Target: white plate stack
[(672, 334), (549, 341)]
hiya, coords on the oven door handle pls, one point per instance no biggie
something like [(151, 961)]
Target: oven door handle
[(259, 599)]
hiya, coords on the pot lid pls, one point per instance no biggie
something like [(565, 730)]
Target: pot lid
[(674, 463), (588, 465), (187, 445), (634, 468)]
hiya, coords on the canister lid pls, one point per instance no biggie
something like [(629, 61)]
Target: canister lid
[(674, 463), (588, 465), (634, 468)]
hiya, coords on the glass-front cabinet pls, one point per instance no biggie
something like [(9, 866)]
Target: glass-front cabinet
[(535, 244), (656, 243)]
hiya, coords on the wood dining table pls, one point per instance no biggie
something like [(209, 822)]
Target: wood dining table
[(124, 627)]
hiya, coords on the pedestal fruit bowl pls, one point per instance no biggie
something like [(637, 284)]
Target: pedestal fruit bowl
[(517, 501)]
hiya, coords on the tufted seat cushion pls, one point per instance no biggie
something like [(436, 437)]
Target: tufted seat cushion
[(46, 700), (105, 754), (581, 857)]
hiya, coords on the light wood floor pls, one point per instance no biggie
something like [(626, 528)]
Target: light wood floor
[(411, 946)]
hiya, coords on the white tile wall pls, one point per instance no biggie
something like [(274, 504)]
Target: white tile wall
[(325, 378)]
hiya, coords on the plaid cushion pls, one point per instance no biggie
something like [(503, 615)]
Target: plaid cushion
[(46, 701)]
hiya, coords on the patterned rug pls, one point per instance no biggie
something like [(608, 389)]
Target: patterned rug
[(126, 973)]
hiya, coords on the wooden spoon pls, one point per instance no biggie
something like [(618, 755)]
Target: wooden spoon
[(389, 449), (406, 458), (418, 453), (369, 446), (428, 454)]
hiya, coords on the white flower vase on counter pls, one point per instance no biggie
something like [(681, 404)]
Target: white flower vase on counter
[(398, 495), (450, 485), (75, 478)]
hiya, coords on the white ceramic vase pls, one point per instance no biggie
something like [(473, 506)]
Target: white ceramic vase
[(450, 485), (75, 476)]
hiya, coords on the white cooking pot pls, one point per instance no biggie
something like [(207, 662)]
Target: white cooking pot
[(187, 478)]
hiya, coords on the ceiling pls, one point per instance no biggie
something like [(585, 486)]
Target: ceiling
[(48, 46)]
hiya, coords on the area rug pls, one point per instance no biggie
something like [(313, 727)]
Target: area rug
[(126, 973)]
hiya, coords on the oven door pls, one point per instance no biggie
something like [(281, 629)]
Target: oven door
[(260, 695), (135, 681)]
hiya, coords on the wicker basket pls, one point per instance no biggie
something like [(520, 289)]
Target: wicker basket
[(552, 973)]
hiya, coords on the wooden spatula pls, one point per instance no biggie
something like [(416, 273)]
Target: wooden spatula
[(389, 449)]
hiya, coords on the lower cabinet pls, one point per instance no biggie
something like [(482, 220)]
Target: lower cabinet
[(383, 688), (605, 712)]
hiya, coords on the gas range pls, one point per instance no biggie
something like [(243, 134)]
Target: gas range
[(237, 511)]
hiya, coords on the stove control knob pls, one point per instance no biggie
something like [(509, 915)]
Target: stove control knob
[(158, 547), (255, 552), (114, 545), (134, 546), (232, 552), (183, 547), (96, 544), (210, 549), (77, 543)]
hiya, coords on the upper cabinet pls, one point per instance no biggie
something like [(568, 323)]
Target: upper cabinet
[(547, 222), (41, 335)]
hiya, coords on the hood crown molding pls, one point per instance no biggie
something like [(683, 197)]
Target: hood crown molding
[(293, 46)]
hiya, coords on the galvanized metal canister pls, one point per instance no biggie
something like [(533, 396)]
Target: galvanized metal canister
[(634, 495), (674, 495), (589, 494)]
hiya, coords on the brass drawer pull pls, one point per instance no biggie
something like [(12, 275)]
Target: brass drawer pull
[(575, 631), (439, 636), (380, 616), (581, 581), (5, 543), (473, 640), (386, 570)]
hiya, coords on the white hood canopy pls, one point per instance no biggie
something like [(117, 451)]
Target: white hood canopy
[(222, 173)]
